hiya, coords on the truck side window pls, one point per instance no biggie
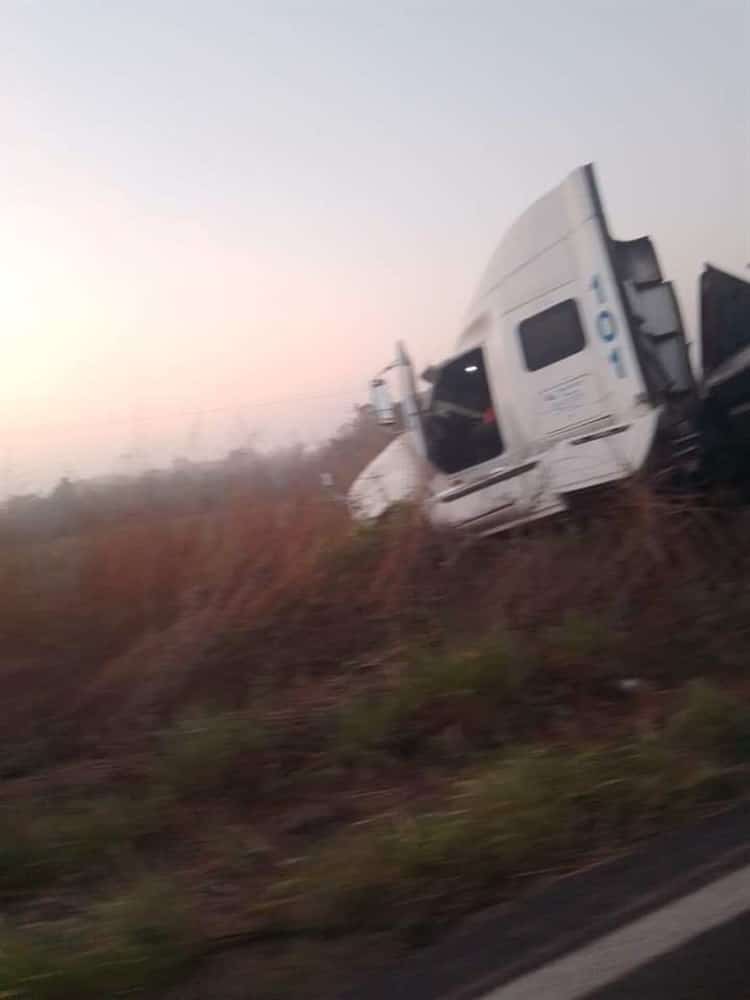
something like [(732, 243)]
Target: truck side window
[(551, 335)]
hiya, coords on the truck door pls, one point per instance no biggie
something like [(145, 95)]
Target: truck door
[(563, 383), (410, 403)]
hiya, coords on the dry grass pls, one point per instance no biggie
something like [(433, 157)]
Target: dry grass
[(158, 614), (412, 717)]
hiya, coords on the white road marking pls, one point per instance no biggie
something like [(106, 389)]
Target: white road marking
[(612, 956)]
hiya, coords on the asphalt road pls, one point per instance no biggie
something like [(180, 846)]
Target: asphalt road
[(694, 940), (670, 921), (712, 965)]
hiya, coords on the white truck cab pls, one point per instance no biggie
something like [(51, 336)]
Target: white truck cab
[(572, 370)]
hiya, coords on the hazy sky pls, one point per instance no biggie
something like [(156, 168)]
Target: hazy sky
[(216, 217)]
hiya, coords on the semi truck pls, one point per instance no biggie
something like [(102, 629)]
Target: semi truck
[(572, 371)]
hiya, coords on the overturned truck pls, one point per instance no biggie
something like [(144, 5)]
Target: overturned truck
[(572, 371)]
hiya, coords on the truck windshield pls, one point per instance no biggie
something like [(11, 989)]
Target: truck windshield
[(461, 426)]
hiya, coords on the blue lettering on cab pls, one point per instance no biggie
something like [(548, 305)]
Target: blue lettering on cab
[(607, 327)]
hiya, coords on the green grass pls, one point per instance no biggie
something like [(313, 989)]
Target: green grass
[(583, 645), (435, 688), (42, 843), (23, 757), (712, 722), (509, 817), (533, 809), (139, 939), (205, 752)]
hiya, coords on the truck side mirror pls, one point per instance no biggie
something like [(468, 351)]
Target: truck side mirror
[(381, 402)]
